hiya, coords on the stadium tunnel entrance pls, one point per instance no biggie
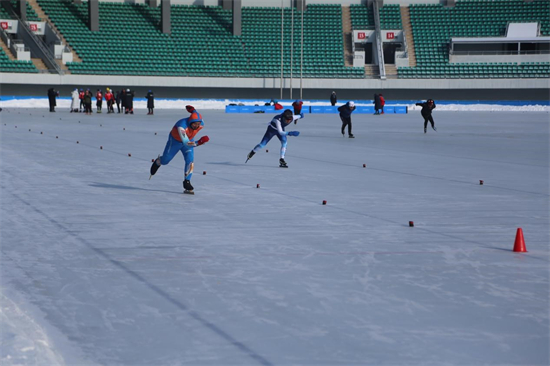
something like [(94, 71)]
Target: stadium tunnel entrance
[(389, 51)]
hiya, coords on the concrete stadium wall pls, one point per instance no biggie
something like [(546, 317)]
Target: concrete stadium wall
[(267, 88)]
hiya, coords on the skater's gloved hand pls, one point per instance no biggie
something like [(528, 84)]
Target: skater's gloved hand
[(190, 108), (203, 140), (293, 133)]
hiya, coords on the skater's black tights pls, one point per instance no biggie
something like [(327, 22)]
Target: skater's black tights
[(428, 118), (346, 121)]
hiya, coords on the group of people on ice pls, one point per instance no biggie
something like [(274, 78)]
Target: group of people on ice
[(182, 135), (123, 99)]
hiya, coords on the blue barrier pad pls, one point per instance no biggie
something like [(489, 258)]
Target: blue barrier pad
[(311, 109)]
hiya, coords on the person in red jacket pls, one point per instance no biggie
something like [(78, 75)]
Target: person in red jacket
[(81, 97), (382, 102), (297, 105), (99, 100), (110, 99)]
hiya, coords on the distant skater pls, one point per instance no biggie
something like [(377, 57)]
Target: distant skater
[(345, 115), (182, 138), (277, 128), (150, 102), (52, 95), (297, 105), (426, 112), (333, 99)]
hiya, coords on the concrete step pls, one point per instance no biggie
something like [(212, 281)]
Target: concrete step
[(42, 15), (7, 50), (39, 64)]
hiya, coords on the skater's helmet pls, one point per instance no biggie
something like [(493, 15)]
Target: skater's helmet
[(351, 104), (194, 117), (288, 115)]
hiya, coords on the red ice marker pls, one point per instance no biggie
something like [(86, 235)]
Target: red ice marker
[(411, 223), (519, 244)]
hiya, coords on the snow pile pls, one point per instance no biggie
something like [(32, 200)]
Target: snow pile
[(141, 103)]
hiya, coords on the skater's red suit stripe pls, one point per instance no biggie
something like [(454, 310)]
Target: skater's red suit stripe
[(188, 131)]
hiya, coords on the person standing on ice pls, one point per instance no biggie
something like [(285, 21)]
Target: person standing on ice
[(277, 128), (426, 112), (182, 138), (345, 115), (74, 100)]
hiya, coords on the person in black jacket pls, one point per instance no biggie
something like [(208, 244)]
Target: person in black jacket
[(426, 112), (129, 102), (377, 104), (333, 99), (345, 115), (52, 94), (150, 102)]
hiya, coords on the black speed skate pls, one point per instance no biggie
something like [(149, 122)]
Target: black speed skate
[(249, 156), (282, 163), (187, 187), (154, 167)]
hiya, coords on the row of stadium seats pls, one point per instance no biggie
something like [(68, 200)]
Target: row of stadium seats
[(201, 43), (7, 65), (31, 14), (433, 27)]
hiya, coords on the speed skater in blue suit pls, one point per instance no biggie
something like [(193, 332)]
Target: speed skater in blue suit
[(181, 138), (277, 128)]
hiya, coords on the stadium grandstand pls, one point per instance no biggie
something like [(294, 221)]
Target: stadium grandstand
[(272, 44)]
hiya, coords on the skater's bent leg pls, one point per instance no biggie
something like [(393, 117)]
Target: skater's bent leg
[(431, 121), (170, 150), (189, 156), (267, 136), (283, 140), (349, 127), (343, 129), (425, 122)]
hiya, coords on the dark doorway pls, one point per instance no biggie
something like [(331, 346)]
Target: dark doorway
[(389, 52), (368, 53)]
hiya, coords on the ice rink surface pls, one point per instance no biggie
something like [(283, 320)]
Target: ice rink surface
[(102, 266)]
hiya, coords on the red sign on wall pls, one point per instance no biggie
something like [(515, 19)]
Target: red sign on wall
[(4, 25), (390, 35), (33, 27), (361, 35)]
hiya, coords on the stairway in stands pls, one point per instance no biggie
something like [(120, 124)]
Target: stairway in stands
[(407, 28), (42, 15), (348, 36)]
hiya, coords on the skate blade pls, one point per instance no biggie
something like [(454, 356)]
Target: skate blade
[(150, 176), (188, 192)]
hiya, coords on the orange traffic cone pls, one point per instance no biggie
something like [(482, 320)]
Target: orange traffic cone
[(519, 245)]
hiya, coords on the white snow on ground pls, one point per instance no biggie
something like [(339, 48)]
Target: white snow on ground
[(141, 103)]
